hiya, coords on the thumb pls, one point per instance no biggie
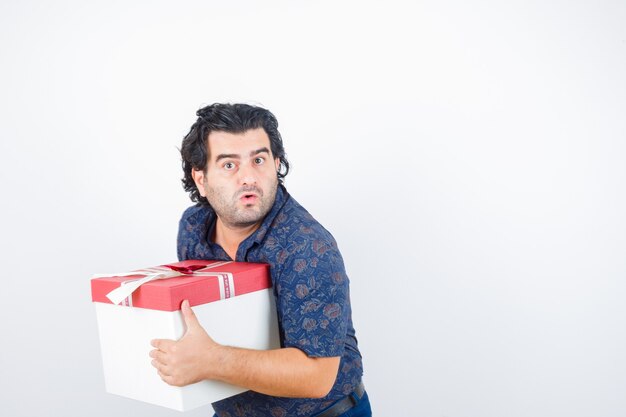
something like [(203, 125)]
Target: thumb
[(191, 321)]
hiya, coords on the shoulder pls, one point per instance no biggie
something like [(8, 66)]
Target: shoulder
[(194, 216), (294, 223), (296, 236), (191, 229)]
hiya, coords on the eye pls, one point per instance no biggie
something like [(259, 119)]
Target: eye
[(259, 160), (229, 166)]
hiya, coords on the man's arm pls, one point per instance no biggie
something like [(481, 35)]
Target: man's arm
[(286, 372)]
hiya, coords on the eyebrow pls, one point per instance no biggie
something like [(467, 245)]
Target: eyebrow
[(236, 156)]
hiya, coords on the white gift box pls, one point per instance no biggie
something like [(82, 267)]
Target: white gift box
[(233, 301)]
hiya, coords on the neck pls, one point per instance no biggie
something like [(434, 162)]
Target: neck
[(229, 237)]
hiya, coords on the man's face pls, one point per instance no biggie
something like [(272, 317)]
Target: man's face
[(240, 180)]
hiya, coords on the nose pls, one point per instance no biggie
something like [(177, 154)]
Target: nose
[(247, 176)]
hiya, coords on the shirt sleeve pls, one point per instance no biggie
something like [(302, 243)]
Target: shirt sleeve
[(313, 298)]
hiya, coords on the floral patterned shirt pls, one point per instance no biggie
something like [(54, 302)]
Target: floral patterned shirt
[(311, 290)]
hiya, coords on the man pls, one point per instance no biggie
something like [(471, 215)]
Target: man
[(234, 163)]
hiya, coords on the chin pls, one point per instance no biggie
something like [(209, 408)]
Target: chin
[(247, 220)]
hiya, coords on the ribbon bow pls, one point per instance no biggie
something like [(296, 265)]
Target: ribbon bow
[(126, 288)]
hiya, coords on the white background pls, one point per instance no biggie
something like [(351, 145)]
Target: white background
[(467, 156)]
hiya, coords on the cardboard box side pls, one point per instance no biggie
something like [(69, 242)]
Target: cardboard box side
[(248, 321), (125, 335)]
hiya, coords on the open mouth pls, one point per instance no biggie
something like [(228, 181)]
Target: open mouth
[(248, 197)]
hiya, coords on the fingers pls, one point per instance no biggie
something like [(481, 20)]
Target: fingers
[(166, 375), (159, 359), (162, 344), (162, 369), (170, 380), (159, 355), (158, 363)]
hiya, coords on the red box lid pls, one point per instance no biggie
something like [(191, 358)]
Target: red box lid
[(234, 278)]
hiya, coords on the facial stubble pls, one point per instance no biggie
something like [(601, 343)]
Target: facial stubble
[(235, 216)]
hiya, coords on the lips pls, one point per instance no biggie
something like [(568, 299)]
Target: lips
[(248, 196)]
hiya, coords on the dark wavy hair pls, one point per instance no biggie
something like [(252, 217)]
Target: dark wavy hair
[(231, 118)]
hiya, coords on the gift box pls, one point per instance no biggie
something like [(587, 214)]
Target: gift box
[(232, 300)]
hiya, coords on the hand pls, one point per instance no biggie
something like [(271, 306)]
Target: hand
[(189, 359)]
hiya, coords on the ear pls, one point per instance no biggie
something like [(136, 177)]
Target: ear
[(277, 163), (198, 178)]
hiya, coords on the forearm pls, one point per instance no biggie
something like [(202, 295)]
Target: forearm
[(286, 372)]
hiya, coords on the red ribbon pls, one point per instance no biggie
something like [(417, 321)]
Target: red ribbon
[(187, 270)]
